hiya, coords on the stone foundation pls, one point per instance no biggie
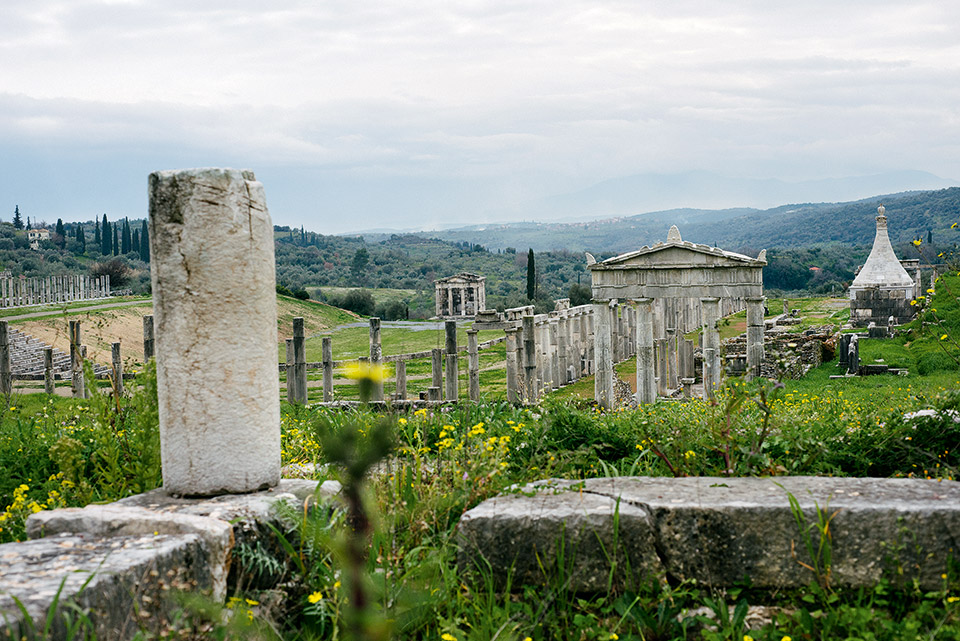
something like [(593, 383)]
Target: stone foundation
[(876, 305)]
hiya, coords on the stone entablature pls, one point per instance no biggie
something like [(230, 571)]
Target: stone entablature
[(460, 296)]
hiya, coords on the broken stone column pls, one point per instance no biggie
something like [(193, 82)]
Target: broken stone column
[(299, 363), (6, 370), (327, 347), (117, 363), (376, 358), (77, 386), (436, 369), (530, 360), (473, 364), (513, 394), (562, 350), (843, 347), (48, 385), (646, 378), (553, 352), (603, 355), (672, 367), (662, 368), (401, 392), (711, 345), (149, 343), (452, 389), (754, 336), (214, 292), (853, 355)]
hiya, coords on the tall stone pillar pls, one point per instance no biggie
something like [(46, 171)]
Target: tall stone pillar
[(299, 363), (48, 385), (436, 369), (603, 355), (754, 336), (553, 349), (452, 379), (662, 367), (646, 377), (400, 393), (214, 292), (672, 365), (117, 363), (530, 384), (327, 347), (149, 343), (513, 394), (376, 358), (711, 345), (6, 369), (76, 362), (473, 364)]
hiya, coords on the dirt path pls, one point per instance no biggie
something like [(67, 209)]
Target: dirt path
[(76, 310)]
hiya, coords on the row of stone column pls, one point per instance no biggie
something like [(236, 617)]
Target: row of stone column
[(19, 292), (547, 351)]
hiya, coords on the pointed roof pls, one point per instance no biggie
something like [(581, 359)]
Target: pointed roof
[(882, 268), (686, 249)]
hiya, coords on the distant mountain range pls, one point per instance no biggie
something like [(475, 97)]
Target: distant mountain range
[(911, 215)]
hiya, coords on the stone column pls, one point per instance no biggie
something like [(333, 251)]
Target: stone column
[(843, 346), (603, 355), (106, 287), (553, 350), (436, 370), (452, 382), (473, 364), (48, 385), (214, 292), (291, 379), (711, 345), (299, 362), (672, 368), (376, 357), (662, 368), (149, 342), (646, 376), (530, 360), (401, 391), (513, 395), (327, 343), (450, 308), (77, 386), (754, 336), (6, 370), (853, 355), (117, 368), (563, 352)]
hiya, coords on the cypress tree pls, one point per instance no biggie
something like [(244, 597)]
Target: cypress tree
[(125, 237), (82, 239), (61, 234), (116, 242), (531, 276), (96, 232), (106, 246), (144, 243), (135, 243), (17, 220), (28, 223)]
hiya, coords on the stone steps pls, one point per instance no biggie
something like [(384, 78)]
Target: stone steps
[(26, 358)]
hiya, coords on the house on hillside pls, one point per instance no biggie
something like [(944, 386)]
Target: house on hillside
[(36, 235)]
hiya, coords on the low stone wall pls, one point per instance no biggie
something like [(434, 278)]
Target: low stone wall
[(123, 562), (717, 531)]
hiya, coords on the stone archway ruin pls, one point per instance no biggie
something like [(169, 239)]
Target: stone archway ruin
[(682, 277)]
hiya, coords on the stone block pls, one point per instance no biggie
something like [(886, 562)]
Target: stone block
[(721, 531)]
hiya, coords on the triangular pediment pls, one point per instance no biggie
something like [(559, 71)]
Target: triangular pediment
[(676, 255)]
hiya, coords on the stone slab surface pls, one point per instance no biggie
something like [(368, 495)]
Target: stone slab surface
[(720, 531), (125, 545)]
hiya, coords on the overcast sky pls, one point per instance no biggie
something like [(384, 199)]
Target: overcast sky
[(407, 114)]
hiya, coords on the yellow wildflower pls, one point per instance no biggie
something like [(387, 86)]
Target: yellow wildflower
[(365, 370), (315, 597), (446, 636)]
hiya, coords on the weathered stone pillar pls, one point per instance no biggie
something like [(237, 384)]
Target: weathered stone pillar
[(48, 384), (6, 369), (853, 355), (843, 355), (291, 379), (711, 345), (77, 386), (299, 363), (603, 355), (401, 391), (662, 368), (117, 368), (754, 336), (473, 364), (672, 366), (376, 357), (553, 351), (327, 346), (646, 377), (214, 292), (433, 393), (513, 394), (436, 369), (148, 341), (563, 352), (530, 360), (452, 382)]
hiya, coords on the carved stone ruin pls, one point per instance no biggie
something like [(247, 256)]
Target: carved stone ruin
[(460, 296), (215, 309), (882, 288)]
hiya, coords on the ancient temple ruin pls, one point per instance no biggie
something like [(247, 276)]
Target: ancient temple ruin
[(883, 288), (460, 296), (680, 276)]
